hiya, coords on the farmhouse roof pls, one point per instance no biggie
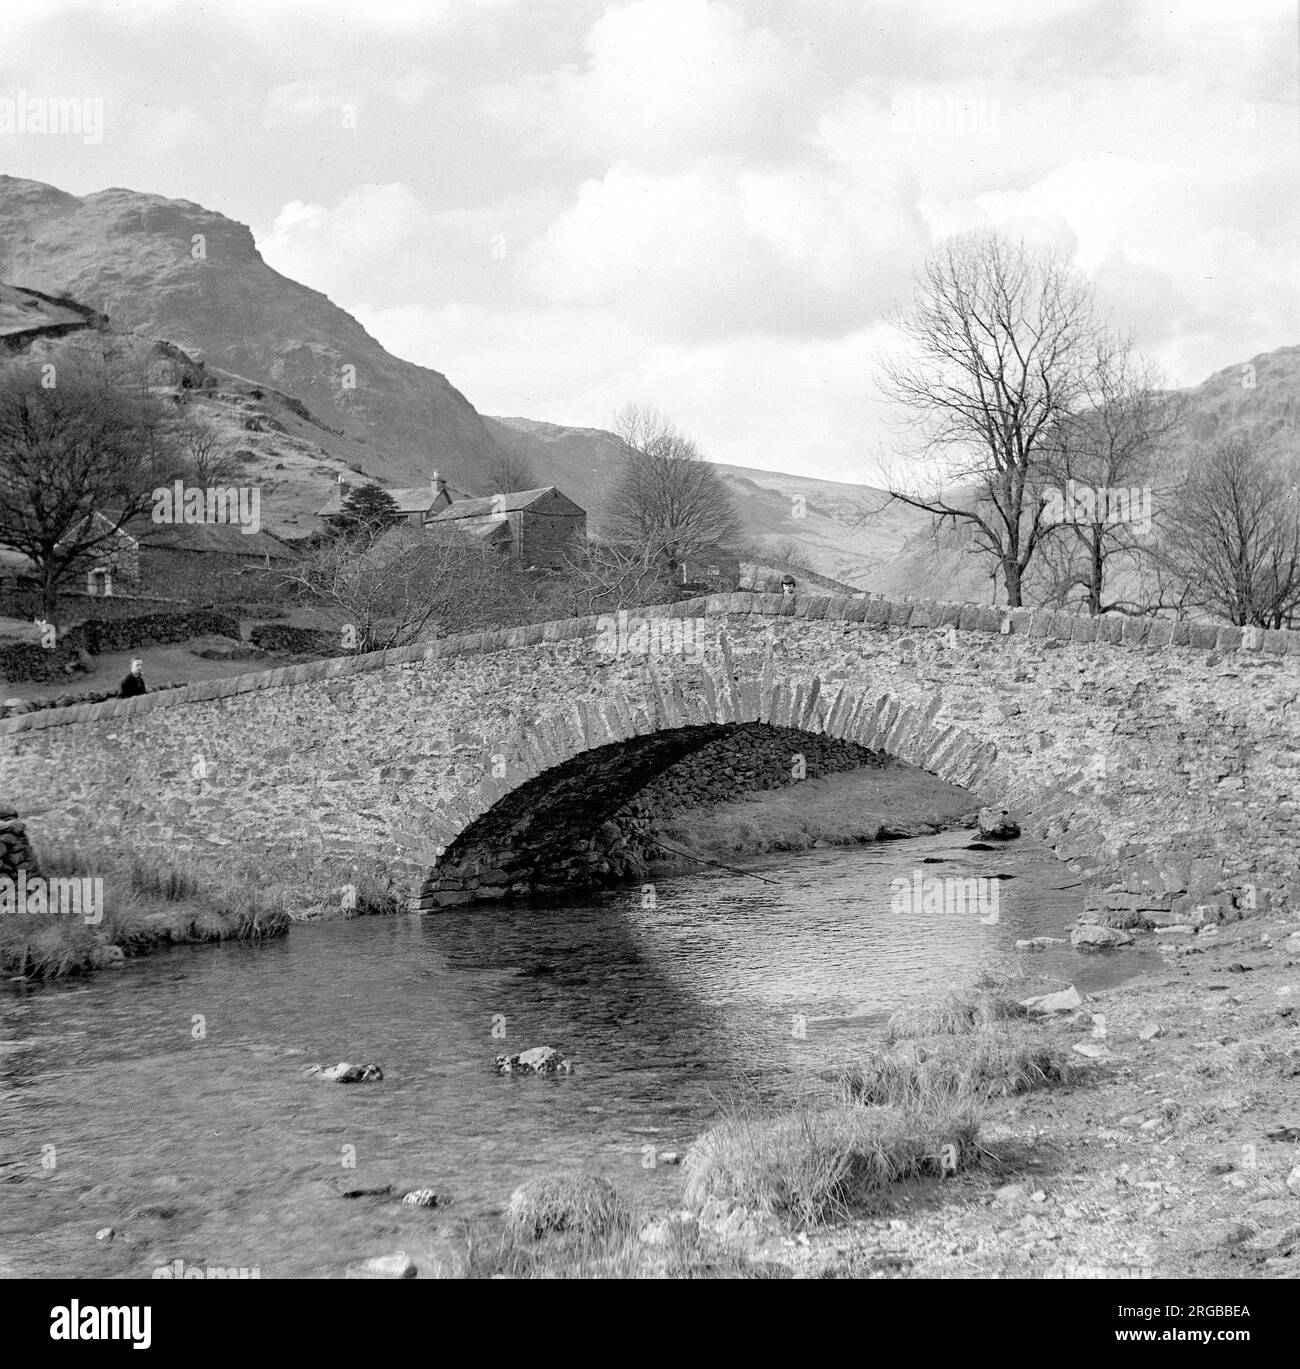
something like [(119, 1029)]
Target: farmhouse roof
[(496, 504), (228, 539), (415, 499)]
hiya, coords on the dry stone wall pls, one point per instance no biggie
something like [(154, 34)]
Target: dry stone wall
[(16, 853), (1161, 758), (27, 661)]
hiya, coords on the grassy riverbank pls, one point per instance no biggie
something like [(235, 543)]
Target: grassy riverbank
[(977, 1141), (149, 904), (145, 905), (848, 808)]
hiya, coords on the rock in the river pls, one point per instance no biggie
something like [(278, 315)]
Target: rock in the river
[(1064, 1000), (539, 1060), (352, 1188), (1040, 943), (996, 824), (421, 1197), (345, 1073), (383, 1267), (1098, 938)]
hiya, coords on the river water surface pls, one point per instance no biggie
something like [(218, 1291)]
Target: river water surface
[(167, 1099)]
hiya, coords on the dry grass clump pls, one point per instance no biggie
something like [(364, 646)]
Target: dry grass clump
[(954, 1014), (1278, 1052), (813, 1163), (573, 1201), (483, 1250), (936, 1071)]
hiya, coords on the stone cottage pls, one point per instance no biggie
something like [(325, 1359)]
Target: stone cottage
[(531, 527)]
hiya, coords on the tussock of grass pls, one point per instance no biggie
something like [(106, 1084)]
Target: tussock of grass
[(146, 904), (483, 1250), (954, 1015), (1276, 1053), (572, 1201), (376, 894), (814, 1163), (939, 1070)]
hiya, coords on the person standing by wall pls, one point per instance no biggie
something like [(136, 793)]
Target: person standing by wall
[(134, 683)]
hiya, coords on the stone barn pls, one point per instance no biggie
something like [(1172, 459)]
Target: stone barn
[(531, 527)]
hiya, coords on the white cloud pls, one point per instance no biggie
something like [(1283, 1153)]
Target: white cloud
[(664, 81), (716, 250), (335, 249)]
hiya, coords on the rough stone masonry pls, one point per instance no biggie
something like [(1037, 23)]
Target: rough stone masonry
[(1161, 757)]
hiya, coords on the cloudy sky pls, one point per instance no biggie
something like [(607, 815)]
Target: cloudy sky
[(709, 205)]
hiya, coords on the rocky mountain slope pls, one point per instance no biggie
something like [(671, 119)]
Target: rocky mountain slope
[(171, 269)]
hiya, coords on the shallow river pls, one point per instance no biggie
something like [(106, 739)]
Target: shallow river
[(174, 1089)]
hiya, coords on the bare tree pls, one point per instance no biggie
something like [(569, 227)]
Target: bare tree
[(666, 495), (1233, 534), (396, 586), (785, 553), (606, 576), (1108, 498), (208, 463), (1002, 344), (508, 472), (82, 446)]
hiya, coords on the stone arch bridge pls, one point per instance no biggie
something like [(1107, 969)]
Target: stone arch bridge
[(1161, 757)]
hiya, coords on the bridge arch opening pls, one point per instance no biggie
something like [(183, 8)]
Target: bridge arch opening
[(589, 821)]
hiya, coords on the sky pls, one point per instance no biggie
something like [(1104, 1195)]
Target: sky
[(711, 206)]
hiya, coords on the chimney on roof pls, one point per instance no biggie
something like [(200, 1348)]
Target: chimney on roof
[(439, 484)]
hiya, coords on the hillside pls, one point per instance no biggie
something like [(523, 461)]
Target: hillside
[(829, 527), (134, 257), (1263, 394)]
